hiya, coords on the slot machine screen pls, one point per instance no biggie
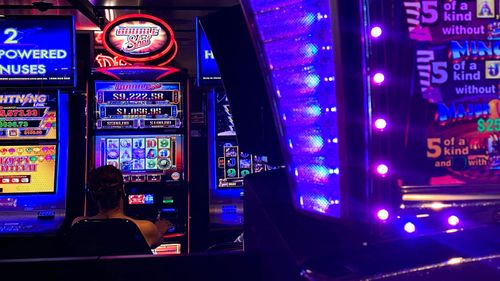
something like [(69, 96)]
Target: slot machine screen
[(27, 169), (143, 158), (233, 165), (27, 115), (138, 105)]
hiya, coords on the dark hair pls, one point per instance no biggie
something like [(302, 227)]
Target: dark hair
[(106, 186)]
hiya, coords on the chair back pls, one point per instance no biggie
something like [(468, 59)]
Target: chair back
[(106, 237)]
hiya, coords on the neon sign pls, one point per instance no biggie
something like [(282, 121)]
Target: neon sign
[(140, 38), (107, 61), (37, 51)]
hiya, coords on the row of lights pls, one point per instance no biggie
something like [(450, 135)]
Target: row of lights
[(410, 227), (382, 169), (380, 123)]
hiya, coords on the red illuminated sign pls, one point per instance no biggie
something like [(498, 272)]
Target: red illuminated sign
[(107, 61), (140, 39)]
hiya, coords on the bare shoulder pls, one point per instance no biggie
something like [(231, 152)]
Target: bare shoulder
[(145, 225)]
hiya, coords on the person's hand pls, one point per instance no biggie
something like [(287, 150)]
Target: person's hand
[(163, 225)]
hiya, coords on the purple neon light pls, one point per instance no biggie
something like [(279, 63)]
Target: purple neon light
[(382, 169), (376, 31), (383, 215), (378, 78), (298, 57), (409, 227), (380, 123), (453, 220)]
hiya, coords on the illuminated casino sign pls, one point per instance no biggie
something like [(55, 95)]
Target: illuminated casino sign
[(37, 51), (140, 38), (207, 70)]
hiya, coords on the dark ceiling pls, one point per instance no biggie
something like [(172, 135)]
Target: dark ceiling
[(93, 14)]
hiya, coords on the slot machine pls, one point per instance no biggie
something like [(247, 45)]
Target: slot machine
[(228, 164), (35, 75), (137, 122)]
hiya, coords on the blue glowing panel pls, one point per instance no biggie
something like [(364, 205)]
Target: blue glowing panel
[(208, 71), (299, 62), (37, 51)]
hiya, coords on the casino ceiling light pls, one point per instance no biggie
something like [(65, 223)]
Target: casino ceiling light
[(110, 14)]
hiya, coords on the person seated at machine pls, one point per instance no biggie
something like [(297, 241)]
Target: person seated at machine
[(108, 191)]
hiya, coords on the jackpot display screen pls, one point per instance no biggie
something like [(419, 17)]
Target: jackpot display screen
[(143, 158), (27, 115), (138, 105), (27, 169), (454, 116)]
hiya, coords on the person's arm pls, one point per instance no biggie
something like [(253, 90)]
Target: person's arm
[(77, 219), (153, 232)]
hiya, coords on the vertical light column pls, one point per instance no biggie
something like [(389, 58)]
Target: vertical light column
[(295, 42)]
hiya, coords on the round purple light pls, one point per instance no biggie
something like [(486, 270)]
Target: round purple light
[(383, 214), (409, 227), (453, 220), (380, 123), (378, 78), (382, 169), (376, 31)]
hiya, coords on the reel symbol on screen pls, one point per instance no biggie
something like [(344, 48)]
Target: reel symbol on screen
[(231, 173), (164, 163)]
